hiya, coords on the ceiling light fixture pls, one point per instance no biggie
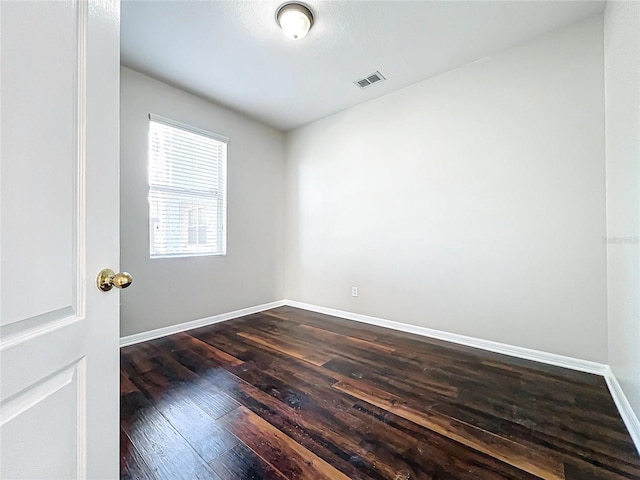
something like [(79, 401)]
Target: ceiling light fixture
[(295, 20)]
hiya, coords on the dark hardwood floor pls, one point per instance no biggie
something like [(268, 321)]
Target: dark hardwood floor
[(291, 394)]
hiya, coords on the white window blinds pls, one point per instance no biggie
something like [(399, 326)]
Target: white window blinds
[(187, 190)]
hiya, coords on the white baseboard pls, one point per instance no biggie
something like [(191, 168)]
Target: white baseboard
[(201, 322), (496, 347), (624, 407)]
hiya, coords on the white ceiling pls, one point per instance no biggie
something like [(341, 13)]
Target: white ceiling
[(233, 52)]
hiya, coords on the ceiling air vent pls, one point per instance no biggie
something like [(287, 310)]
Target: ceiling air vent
[(370, 79)]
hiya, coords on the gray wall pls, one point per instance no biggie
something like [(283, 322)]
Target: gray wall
[(170, 291), (622, 96), (472, 202)]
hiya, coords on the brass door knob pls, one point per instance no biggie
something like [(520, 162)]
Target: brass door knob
[(107, 279)]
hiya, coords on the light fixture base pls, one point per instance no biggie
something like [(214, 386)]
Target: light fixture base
[(295, 19)]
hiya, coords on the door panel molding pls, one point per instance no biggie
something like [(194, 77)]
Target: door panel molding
[(73, 376), (19, 332), (36, 393), (81, 417), (81, 161)]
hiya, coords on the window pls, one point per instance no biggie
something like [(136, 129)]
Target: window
[(187, 190)]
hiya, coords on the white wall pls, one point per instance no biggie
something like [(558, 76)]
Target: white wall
[(622, 96), (472, 202), (170, 291)]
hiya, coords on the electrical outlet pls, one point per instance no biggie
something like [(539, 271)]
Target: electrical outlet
[(354, 291)]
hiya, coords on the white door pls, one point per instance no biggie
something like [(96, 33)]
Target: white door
[(59, 150)]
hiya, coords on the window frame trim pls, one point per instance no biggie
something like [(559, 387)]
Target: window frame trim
[(219, 194), (190, 128)]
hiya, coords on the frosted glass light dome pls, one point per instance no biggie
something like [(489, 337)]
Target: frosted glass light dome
[(295, 20)]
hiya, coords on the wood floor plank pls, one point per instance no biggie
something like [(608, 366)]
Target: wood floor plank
[(202, 432), (317, 433), (312, 434), (415, 381), (138, 358), (621, 461), (570, 438), (528, 460), (577, 469), (287, 456), (126, 386), (164, 450), (132, 465), (289, 348), (204, 349), (328, 336), (335, 324), (425, 452), (242, 463)]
